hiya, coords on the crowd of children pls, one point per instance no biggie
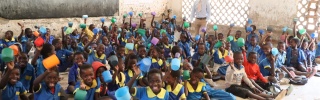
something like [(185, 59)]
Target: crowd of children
[(255, 65)]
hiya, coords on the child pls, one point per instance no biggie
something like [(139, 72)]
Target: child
[(46, 86), (10, 86), (197, 56), (252, 34), (47, 37), (74, 75), (27, 71), (131, 60), (218, 57), (108, 47), (264, 51), (220, 37), (95, 55), (194, 89), (98, 69), (88, 83), (9, 40), (167, 47), (121, 52), (176, 90), (45, 51), (185, 47), (152, 92), (118, 78), (74, 47), (234, 45), (235, 74), (210, 44), (142, 52), (253, 46), (63, 55), (157, 62)]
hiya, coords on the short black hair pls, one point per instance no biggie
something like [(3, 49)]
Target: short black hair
[(175, 74), (129, 57), (280, 43), (305, 40), (296, 40), (253, 27), (119, 47), (141, 46), (157, 49), (46, 48), (267, 44), (220, 34), (154, 71), (10, 32), (55, 41), (236, 53), (80, 53), (239, 31), (84, 67), (175, 49), (197, 70), (252, 53)]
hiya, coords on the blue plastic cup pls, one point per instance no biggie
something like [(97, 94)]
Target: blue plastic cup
[(129, 46), (123, 93), (80, 95), (43, 30), (249, 21), (197, 37), (107, 77), (145, 64), (274, 51), (102, 19), (130, 13), (261, 31), (175, 64), (174, 17), (85, 16), (95, 31), (249, 29), (113, 60), (70, 24)]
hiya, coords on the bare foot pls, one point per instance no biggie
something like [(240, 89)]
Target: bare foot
[(311, 73)]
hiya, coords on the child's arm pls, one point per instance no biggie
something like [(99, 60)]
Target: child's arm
[(131, 81), (39, 79), (35, 58), (256, 85), (115, 74), (63, 38), (186, 88), (96, 96), (206, 96), (5, 78), (152, 21), (209, 75), (87, 45), (22, 32), (249, 83), (103, 91), (130, 25), (229, 31)]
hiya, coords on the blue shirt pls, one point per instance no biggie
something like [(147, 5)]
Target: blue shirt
[(158, 64), (282, 57), (78, 49), (113, 86), (40, 68), (261, 55), (93, 56), (234, 46), (196, 94), (1, 44), (108, 50), (145, 93), (63, 55), (195, 58), (50, 38), (27, 76), (9, 42), (265, 63), (73, 73), (75, 36), (249, 38), (177, 93), (91, 90), (12, 92), (44, 93), (205, 11), (301, 56), (129, 74), (251, 48), (185, 47)]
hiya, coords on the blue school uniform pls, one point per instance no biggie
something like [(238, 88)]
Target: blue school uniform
[(300, 57), (250, 36), (122, 41), (317, 52), (12, 92), (112, 87), (167, 51), (261, 55), (218, 58), (196, 94), (9, 42), (73, 73), (24, 41), (171, 37), (177, 93), (234, 45), (81, 44), (76, 37), (91, 90), (282, 57), (51, 38), (216, 94), (40, 68), (129, 74), (265, 63), (195, 58), (78, 49), (27, 76), (1, 44), (63, 55), (108, 50), (158, 64), (44, 93), (93, 56), (145, 93), (185, 47), (251, 48)]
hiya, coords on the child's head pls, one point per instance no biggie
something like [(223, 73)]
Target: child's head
[(173, 77), (74, 43), (93, 46), (100, 49), (87, 74), (228, 46), (253, 40), (121, 50), (196, 75), (8, 35), (47, 50), (121, 65), (105, 40), (142, 51), (165, 40), (268, 39), (155, 80), (68, 39), (92, 26), (252, 57), (312, 47), (305, 44), (220, 36), (79, 58), (131, 60), (84, 40), (98, 68), (238, 34), (281, 46), (223, 45), (210, 38), (155, 52), (201, 48), (266, 48), (183, 37), (174, 50), (125, 25), (22, 60), (48, 31), (253, 27), (238, 58), (52, 78), (57, 43), (75, 32), (294, 42), (14, 75), (28, 32)]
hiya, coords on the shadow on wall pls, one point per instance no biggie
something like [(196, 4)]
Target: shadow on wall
[(35, 9)]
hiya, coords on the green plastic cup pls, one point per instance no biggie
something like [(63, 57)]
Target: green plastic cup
[(186, 25), (229, 38), (80, 95), (7, 55), (240, 42), (302, 31), (186, 74), (83, 26), (142, 32), (215, 27)]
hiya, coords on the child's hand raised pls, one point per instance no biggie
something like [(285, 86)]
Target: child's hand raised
[(82, 86), (21, 25), (116, 68), (10, 65), (136, 69), (39, 48)]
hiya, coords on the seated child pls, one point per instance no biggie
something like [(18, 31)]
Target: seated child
[(11, 88), (62, 54), (142, 52), (118, 78), (96, 55), (27, 75), (157, 62), (234, 45), (9, 40), (88, 83), (132, 60), (48, 38), (196, 58), (108, 46), (194, 89), (252, 46), (74, 47), (152, 92), (264, 51), (42, 53), (176, 90), (46, 86), (73, 75), (235, 74), (184, 45), (98, 69), (220, 65)]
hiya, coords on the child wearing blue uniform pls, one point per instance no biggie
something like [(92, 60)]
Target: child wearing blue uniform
[(131, 60), (152, 92), (73, 75), (42, 53), (234, 44), (46, 86), (27, 75), (252, 46), (194, 89), (218, 58), (74, 47), (108, 47), (25, 38), (196, 57), (184, 45), (264, 51), (9, 40), (142, 52), (11, 88), (62, 54), (295, 56), (95, 55), (176, 90), (47, 37), (98, 69), (118, 79), (157, 62)]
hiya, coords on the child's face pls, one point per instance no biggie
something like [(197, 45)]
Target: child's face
[(266, 49), (155, 82), (93, 46), (201, 49), (210, 39), (14, 76), (29, 33), (132, 62), (87, 75), (252, 58), (238, 34), (142, 52), (293, 44), (183, 37), (100, 50), (8, 35), (195, 78), (53, 51), (304, 45), (222, 48), (154, 53), (228, 46), (121, 51), (75, 31), (105, 41), (165, 40), (121, 65), (52, 79), (100, 70), (79, 59), (220, 36), (312, 47), (253, 41), (238, 59), (85, 40), (281, 47), (74, 43), (170, 79), (58, 45), (48, 31), (23, 60), (268, 39)]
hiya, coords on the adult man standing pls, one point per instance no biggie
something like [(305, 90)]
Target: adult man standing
[(201, 11)]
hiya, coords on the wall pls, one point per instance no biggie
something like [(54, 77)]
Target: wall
[(55, 24)]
